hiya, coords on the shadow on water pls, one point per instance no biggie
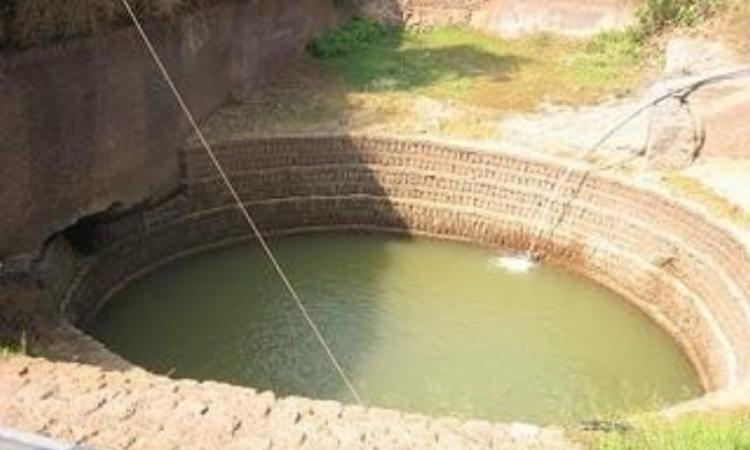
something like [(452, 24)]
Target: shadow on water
[(217, 315), (225, 316), (417, 326)]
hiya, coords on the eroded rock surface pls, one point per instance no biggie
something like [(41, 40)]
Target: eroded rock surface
[(508, 17), (89, 124), (689, 56), (676, 136)]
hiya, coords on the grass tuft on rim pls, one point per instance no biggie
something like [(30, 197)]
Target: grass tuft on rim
[(721, 432)]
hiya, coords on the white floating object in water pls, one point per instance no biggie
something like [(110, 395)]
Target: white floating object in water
[(520, 263)]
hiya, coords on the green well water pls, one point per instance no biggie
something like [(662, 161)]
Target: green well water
[(419, 325)]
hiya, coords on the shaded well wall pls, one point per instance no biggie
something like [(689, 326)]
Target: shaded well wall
[(87, 125)]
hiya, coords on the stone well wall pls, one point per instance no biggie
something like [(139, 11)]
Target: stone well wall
[(690, 275)]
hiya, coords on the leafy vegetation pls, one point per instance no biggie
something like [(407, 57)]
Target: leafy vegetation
[(353, 36), (658, 15), (692, 433), (607, 54)]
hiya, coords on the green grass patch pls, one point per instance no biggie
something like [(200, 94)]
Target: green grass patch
[(692, 433), (457, 63), (607, 57)]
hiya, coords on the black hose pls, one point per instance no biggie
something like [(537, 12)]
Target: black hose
[(681, 94)]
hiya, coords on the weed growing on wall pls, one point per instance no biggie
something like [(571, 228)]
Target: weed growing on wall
[(10, 348)]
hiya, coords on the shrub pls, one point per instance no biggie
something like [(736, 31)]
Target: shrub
[(348, 38), (657, 15)]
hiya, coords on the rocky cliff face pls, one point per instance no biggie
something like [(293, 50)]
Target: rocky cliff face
[(89, 125), (509, 17)]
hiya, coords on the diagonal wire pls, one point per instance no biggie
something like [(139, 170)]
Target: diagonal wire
[(245, 213)]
